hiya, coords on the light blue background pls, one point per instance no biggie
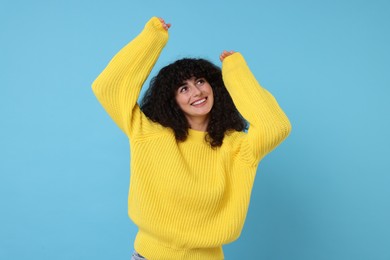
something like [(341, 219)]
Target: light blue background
[(323, 194)]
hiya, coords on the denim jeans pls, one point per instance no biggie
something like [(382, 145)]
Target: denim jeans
[(137, 256)]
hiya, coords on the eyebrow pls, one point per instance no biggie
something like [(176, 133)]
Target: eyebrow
[(182, 85)]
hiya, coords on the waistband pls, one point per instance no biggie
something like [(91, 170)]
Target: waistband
[(152, 249)]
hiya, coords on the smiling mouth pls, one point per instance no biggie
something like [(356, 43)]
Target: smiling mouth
[(198, 102)]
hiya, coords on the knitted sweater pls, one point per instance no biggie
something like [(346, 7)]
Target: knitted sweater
[(187, 198)]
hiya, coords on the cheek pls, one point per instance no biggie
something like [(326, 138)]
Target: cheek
[(212, 97), (177, 99), (181, 100), (211, 93), (210, 89)]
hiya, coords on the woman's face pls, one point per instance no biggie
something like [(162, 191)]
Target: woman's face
[(195, 98)]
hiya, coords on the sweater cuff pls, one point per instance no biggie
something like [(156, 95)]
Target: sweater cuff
[(155, 24), (154, 36), (236, 60)]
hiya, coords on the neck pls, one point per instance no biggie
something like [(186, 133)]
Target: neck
[(199, 124)]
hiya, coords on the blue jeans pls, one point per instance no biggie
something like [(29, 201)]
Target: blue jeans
[(137, 256)]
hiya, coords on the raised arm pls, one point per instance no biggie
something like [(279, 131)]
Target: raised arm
[(268, 125), (118, 86)]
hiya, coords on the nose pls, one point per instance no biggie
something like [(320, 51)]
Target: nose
[(196, 91)]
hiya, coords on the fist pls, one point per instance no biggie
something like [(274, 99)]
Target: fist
[(165, 25), (225, 54)]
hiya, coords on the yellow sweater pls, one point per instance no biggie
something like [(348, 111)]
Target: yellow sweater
[(186, 198)]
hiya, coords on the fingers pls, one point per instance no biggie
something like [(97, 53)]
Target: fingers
[(166, 26), (225, 54)]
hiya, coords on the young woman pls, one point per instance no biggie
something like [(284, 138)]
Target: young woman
[(192, 163)]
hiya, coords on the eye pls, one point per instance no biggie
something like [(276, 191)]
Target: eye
[(200, 81), (183, 89)]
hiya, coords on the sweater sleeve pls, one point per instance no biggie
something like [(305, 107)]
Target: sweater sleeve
[(117, 88), (268, 125)]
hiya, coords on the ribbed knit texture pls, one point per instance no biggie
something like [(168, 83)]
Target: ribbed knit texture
[(186, 198)]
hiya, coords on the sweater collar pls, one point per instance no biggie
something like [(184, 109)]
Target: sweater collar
[(196, 136)]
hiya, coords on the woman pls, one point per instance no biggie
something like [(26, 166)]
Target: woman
[(191, 172)]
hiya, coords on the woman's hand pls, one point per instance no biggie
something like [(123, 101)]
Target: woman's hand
[(165, 25), (225, 54)]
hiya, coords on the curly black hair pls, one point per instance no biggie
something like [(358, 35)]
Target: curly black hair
[(159, 103)]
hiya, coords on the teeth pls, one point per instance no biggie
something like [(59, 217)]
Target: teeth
[(199, 102)]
